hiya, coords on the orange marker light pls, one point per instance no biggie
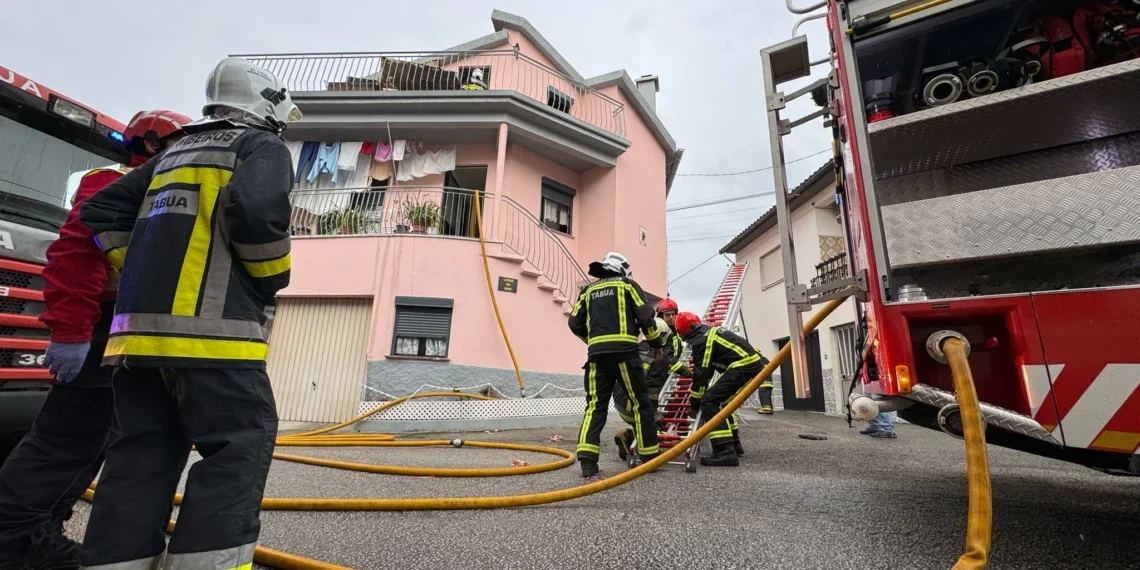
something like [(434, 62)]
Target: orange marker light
[(902, 374)]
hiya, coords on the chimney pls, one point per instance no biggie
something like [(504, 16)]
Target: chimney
[(648, 86)]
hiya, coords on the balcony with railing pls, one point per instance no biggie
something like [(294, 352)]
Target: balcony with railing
[(418, 211), (459, 96)]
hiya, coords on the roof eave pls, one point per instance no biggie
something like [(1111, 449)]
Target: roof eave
[(509, 21)]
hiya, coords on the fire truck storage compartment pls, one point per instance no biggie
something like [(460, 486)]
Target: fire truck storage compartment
[(1044, 177)]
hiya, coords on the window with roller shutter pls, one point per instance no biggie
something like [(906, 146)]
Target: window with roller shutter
[(423, 327)]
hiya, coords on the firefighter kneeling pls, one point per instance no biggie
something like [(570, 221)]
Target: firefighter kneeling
[(717, 350)]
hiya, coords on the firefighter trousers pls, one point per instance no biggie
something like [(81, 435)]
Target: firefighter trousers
[(601, 374), (722, 390), (230, 418), (764, 393), (53, 465)]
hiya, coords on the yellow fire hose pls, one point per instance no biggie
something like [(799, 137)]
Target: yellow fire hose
[(491, 292), (287, 561), (979, 521)]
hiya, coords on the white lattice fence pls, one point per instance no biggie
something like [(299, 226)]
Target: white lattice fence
[(477, 409)]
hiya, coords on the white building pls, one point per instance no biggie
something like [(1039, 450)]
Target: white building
[(818, 236)]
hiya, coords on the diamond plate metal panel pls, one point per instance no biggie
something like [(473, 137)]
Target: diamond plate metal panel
[(1089, 105), (1111, 267), (1076, 211), (1069, 160)]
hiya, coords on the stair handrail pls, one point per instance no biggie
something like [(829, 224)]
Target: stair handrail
[(552, 257)]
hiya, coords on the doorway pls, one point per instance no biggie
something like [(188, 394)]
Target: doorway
[(814, 403), (457, 209)]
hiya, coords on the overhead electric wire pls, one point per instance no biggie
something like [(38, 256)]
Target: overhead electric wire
[(694, 268), (711, 174), (720, 201)]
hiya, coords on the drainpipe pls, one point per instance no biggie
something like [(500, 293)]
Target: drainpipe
[(500, 170)]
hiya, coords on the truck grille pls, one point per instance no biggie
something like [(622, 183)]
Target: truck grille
[(12, 306), (5, 358), (9, 278), (24, 333)]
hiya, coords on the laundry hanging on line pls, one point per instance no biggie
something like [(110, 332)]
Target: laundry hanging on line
[(349, 151), (417, 165)]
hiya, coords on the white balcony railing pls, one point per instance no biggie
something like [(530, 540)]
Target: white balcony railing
[(470, 71), (384, 211)]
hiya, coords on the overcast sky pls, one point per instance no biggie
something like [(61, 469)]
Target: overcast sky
[(122, 56)]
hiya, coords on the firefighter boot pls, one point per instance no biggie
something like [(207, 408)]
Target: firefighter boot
[(589, 467), (623, 440), (736, 445), (723, 456), (50, 549)]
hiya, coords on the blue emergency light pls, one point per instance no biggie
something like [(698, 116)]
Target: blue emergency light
[(117, 136)]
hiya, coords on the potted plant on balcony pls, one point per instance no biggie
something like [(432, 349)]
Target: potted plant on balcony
[(348, 221), (422, 215)]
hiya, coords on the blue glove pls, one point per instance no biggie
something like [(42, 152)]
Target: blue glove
[(65, 359)]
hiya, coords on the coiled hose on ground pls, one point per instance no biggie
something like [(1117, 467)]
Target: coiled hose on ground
[(322, 437), (979, 520)]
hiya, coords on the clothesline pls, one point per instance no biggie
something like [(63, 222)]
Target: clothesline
[(365, 163)]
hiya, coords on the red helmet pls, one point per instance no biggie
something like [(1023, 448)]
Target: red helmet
[(666, 305), (685, 323), (154, 126)]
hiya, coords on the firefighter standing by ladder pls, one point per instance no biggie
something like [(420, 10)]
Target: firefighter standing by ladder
[(51, 468), (608, 315), (718, 350), (207, 223)]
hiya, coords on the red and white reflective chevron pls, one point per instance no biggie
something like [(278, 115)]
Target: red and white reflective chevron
[(1090, 388)]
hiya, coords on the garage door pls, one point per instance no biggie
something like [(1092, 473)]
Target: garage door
[(317, 360)]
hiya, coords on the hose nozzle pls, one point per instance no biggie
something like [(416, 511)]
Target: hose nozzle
[(936, 340)]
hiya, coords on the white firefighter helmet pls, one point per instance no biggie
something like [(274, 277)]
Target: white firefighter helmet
[(663, 328), (237, 88), (614, 262)]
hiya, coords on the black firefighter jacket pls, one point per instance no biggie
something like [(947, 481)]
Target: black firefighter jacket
[(657, 373), (207, 224), (718, 350), (609, 314)]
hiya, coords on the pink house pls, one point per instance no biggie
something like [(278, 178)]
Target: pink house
[(388, 287)]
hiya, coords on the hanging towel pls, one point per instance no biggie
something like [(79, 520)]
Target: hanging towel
[(306, 160), (398, 150), (360, 174), (327, 157), (417, 165), (413, 166), (294, 151), (441, 161), (381, 169), (348, 153), (367, 148), (383, 151)]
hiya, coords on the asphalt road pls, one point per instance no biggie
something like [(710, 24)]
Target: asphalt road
[(849, 502)]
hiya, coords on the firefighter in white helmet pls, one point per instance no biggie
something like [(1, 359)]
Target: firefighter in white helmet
[(207, 223), (608, 315)]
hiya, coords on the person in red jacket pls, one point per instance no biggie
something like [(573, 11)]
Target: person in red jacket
[(51, 467)]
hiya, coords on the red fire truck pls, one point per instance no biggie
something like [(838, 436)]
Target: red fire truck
[(988, 167), (46, 141)]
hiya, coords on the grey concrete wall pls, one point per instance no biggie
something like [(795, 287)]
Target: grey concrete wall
[(831, 399), (400, 378)]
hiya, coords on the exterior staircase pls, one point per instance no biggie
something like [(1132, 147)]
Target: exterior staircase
[(540, 253)]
